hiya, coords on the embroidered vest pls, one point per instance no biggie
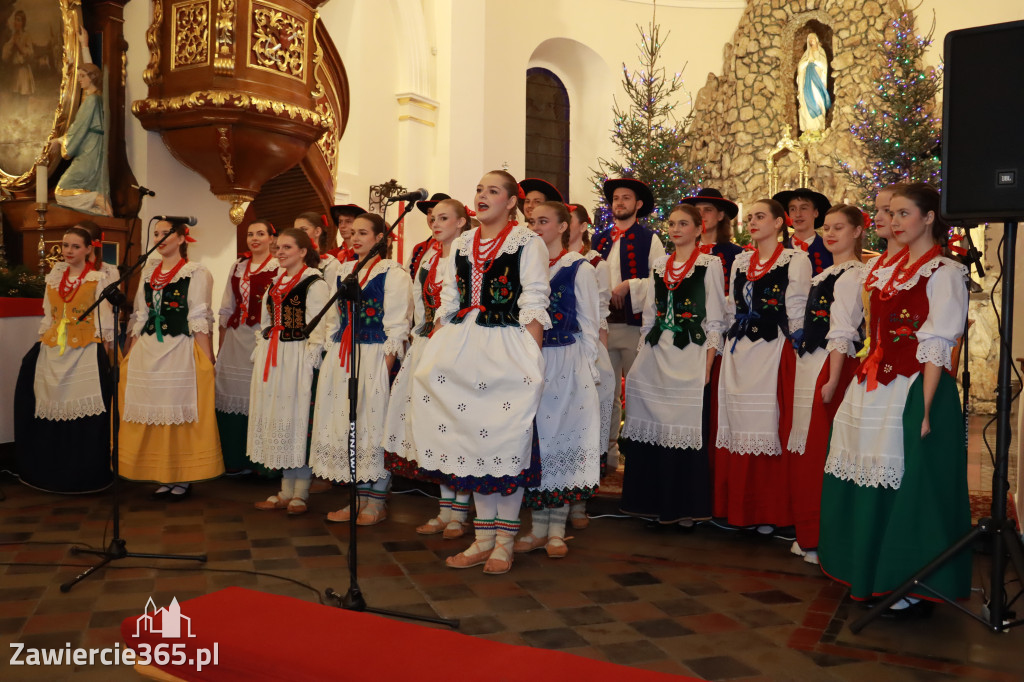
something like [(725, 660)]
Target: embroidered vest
[(821, 257), (173, 309), (761, 305), (634, 254), (258, 285), (79, 334), (418, 252), (293, 312), (370, 325), (727, 252), (817, 317), (562, 307), (894, 326), (680, 312), (427, 328), (499, 289)]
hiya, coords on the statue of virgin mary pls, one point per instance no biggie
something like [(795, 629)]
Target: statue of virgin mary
[(811, 92)]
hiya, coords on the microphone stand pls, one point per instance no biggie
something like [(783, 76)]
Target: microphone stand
[(350, 291), (118, 548)]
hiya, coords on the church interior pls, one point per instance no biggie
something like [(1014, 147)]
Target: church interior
[(227, 114)]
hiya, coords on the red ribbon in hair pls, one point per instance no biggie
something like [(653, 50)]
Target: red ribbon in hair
[(188, 239), (470, 212), (323, 219), (521, 194), (958, 250), (789, 221), (867, 218), (571, 207)]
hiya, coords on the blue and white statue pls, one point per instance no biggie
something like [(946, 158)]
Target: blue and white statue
[(811, 91)]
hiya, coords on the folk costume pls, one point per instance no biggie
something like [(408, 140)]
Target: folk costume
[(381, 329), (820, 256), (422, 250), (398, 441), (629, 254), (169, 424), (285, 364), (569, 416), (724, 251), (892, 500), (766, 308), (605, 386), (240, 317), (833, 321), (476, 392), (667, 477), (62, 396)]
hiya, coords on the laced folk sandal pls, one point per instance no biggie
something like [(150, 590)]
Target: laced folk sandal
[(455, 530), (278, 501), (342, 515), (578, 516), (556, 548), (528, 543), (500, 561), (297, 506), (432, 527), (372, 514), (470, 558)]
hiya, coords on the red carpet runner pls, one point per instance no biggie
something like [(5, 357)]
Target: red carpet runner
[(262, 636)]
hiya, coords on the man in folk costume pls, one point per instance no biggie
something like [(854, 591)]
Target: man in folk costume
[(425, 207), (807, 209), (629, 248), (343, 216), (537, 191), (717, 212)]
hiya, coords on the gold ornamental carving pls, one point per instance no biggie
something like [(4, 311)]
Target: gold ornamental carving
[(224, 145), (239, 203), (190, 34), (328, 142), (151, 75), (785, 144), (224, 60), (227, 99), (318, 60), (278, 41)]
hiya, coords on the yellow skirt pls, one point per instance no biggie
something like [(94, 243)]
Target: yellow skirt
[(174, 453)]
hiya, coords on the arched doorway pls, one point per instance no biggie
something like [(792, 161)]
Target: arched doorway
[(547, 129)]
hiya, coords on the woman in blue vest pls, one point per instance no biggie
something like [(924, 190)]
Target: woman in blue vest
[(569, 417), (380, 333)]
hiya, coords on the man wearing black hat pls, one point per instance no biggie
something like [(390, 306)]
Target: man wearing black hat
[(343, 216), (426, 207), (807, 209), (629, 248), (717, 213), (537, 191)]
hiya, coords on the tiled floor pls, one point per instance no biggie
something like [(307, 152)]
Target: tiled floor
[(713, 604)]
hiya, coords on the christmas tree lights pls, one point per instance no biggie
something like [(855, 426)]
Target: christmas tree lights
[(649, 138)]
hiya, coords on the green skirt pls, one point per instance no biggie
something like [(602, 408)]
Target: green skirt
[(233, 432), (874, 539)]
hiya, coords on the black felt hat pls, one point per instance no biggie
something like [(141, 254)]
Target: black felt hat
[(549, 191), (820, 201), (642, 191), (710, 195), (434, 200), (346, 209)]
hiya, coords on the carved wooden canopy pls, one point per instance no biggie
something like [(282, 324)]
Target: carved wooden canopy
[(242, 90)]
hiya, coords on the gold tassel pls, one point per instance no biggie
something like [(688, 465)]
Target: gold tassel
[(62, 334)]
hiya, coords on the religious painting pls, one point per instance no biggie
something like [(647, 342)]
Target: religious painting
[(37, 85)]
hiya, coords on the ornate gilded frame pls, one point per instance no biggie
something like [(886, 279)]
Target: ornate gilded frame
[(67, 104)]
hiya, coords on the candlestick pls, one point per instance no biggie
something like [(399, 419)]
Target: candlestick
[(42, 184), (41, 247)]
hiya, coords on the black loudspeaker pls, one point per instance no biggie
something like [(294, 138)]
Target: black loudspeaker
[(983, 123)]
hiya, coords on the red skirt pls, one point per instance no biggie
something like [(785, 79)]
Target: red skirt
[(753, 490), (807, 471)]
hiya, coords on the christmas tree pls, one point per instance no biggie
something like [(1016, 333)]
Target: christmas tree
[(648, 136), (897, 125)]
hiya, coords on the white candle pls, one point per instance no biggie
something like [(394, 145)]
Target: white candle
[(42, 180), (739, 216)]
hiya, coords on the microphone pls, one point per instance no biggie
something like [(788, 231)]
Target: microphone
[(144, 191), (189, 220), (417, 195)]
